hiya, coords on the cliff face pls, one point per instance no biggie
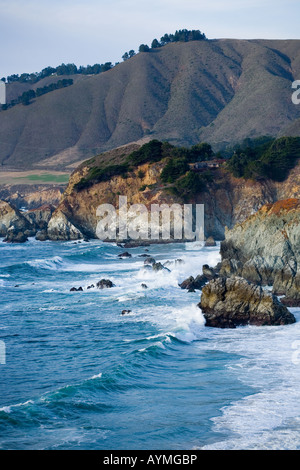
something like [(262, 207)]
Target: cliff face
[(265, 249), (227, 200), (80, 207), (31, 196)]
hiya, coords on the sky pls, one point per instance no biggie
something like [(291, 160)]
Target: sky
[(38, 33)]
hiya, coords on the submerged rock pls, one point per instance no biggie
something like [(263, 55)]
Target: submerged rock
[(150, 261), (125, 255), (231, 302), (125, 312)]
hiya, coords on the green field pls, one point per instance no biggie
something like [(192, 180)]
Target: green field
[(46, 178), (33, 177)]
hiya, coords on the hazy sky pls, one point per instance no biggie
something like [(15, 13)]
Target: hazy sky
[(38, 33)]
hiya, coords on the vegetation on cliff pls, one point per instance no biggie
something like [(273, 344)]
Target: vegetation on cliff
[(29, 95), (176, 170), (265, 158)]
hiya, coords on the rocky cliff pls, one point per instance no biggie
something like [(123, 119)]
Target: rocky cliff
[(17, 226), (227, 200), (265, 249)]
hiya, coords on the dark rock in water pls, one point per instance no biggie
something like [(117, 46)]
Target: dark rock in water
[(124, 312), (144, 256), (144, 286), (74, 289), (208, 272), (148, 267), (41, 235), (135, 244), (192, 283), (105, 284), (179, 261), (149, 260), (159, 267), (91, 287), (14, 236), (168, 263), (125, 255), (231, 302), (210, 242)]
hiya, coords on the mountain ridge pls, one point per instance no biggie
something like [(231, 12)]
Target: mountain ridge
[(220, 91)]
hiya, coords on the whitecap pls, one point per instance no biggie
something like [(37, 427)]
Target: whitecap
[(10, 408), (51, 263)]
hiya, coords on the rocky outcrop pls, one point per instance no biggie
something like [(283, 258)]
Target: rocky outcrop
[(210, 242), (41, 216), (11, 217), (31, 196), (192, 284), (13, 224), (265, 249), (230, 302), (61, 229), (17, 226)]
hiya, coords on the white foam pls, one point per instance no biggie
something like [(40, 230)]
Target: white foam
[(267, 364), (52, 263), (97, 376), (9, 409)]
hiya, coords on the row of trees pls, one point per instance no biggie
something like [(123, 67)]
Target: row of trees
[(29, 95), (63, 69), (183, 35)]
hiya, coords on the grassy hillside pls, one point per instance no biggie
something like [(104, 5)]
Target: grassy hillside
[(219, 91)]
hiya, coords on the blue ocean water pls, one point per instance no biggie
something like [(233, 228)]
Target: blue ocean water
[(80, 375)]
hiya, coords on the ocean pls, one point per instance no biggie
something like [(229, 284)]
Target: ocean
[(77, 374)]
